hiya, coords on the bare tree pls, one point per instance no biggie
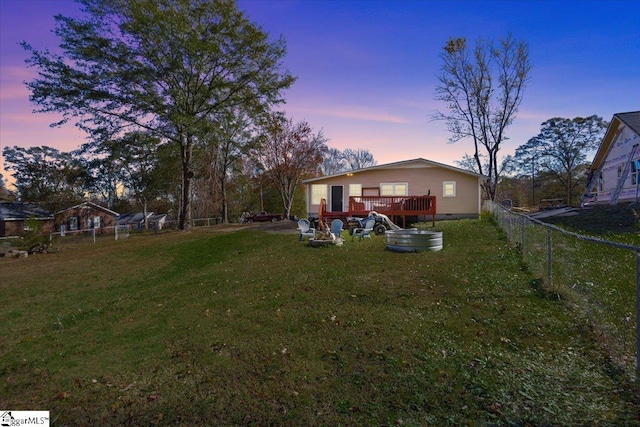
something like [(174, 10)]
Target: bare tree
[(359, 158), (288, 152), (333, 162), (482, 90)]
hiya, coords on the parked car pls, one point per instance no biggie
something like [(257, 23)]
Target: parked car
[(261, 217)]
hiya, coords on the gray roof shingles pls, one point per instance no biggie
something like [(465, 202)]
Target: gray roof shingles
[(18, 211)]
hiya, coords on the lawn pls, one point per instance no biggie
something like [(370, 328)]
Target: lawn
[(256, 328)]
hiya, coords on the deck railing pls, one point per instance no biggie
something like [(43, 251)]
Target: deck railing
[(395, 207)]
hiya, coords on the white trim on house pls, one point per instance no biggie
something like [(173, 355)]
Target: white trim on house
[(418, 162)]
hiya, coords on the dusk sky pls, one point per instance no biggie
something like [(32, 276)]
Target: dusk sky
[(367, 69)]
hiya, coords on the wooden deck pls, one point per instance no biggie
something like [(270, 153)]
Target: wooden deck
[(397, 208)]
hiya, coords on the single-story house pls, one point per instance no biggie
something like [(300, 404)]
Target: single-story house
[(18, 217), (86, 216), (614, 174), (458, 191)]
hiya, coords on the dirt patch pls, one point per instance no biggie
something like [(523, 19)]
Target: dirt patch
[(281, 227)]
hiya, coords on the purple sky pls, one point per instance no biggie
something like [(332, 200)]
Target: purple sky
[(366, 69)]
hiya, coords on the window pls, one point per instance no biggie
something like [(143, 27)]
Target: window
[(600, 182), (96, 222), (73, 223), (318, 191), (635, 166), (393, 189), (449, 189), (355, 189)]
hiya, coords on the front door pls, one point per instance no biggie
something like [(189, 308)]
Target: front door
[(336, 198)]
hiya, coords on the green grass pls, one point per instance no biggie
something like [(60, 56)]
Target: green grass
[(251, 328)]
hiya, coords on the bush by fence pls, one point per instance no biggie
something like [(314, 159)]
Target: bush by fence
[(598, 278)]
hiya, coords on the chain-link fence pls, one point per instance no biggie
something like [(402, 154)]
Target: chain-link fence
[(599, 279)]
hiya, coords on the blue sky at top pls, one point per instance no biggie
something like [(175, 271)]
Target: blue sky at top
[(367, 69)]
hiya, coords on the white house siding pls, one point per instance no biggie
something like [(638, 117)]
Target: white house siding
[(618, 157)]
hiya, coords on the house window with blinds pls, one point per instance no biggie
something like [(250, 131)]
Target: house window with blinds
[(394, 189), (449, 189), (318, 191)]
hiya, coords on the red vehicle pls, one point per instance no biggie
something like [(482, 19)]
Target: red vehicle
[(262, 217)]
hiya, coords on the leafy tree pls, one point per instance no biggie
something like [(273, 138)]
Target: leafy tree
[(5, 194), (359, 158), (527, 163), (561, 149), (288, 152), (47, 176), (167, 66), (232, 137), (138, 166), (482, 90)]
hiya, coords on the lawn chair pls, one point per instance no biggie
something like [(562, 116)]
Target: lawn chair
[(304, 226), (364, 232), (336, 227)]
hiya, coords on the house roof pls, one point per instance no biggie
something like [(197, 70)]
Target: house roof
[(92, 206), (136, 218), (419, 162), (631, 120), (20, 211)]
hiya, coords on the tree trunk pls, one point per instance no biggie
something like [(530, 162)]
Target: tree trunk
[(144, 215), (186, 148), (223, 196)]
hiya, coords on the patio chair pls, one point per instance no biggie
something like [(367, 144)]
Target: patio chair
[(304, 226), (364, 232), (336, 227)]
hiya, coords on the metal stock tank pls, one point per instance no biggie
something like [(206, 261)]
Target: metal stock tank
[(413, 240)]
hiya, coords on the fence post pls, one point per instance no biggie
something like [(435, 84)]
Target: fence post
[(523, 229), (637, 315), (549, 258)]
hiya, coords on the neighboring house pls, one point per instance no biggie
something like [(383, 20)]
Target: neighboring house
[(614, 174), (86, 216), (457, 191), (134, 221), (18, 217)]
